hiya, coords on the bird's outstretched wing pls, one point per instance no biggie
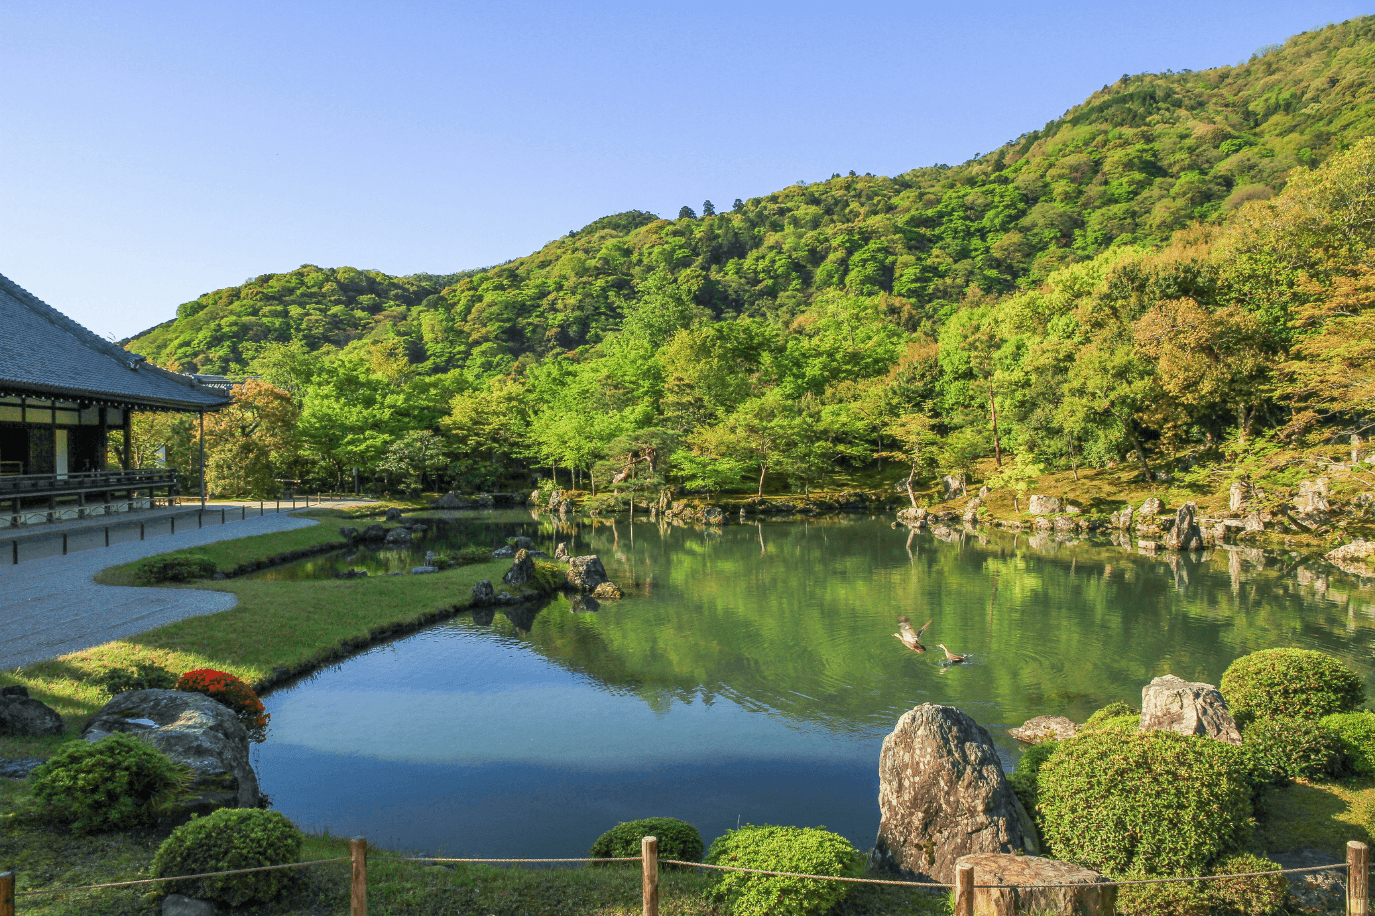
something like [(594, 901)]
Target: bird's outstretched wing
[(923, 628)]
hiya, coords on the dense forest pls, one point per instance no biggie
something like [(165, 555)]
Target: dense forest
[(1181, 263)]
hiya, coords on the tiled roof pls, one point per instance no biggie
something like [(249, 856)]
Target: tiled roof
[(44, 352)]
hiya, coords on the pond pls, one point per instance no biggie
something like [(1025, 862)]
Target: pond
[(750, 676)]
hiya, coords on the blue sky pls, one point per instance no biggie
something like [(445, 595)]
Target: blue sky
[(151, 152)]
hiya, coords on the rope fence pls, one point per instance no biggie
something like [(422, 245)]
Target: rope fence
[(1357, 868)]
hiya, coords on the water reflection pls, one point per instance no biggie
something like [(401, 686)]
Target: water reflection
[(760, 656)]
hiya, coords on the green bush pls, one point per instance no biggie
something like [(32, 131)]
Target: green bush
[(549, 576), (1025, 779), (1162, 900), (677, 839), (1295, 683), (143, 676), (808, 851), (1114, 715), (470, 555), (1355, 732), (1258, 896), (228, 839), (1282, 749), (175, 568), (1145, 803), (117, 782)]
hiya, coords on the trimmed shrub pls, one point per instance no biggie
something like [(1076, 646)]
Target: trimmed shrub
[(228, 839), (549, 576), (1282, 749), (1145, 804), (1257, 896), (227, 690), (1355, 732), (143, 676), (677, 839), (469, 555), (1295, 683), (1114, 710), (175, 568), (1025, 779), (1161, 900), (808, 851), (117, 782)]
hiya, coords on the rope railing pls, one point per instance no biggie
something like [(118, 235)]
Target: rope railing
[(1356, 868)]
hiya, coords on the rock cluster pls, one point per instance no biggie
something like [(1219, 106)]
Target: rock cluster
[(454, 501), (586, 573)]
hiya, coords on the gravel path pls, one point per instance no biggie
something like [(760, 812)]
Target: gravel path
[(52, 606)]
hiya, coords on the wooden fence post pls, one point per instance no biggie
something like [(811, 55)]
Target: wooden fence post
[(7, 893), (1357, 879), (649, 866), (358, 894), (964, 890)]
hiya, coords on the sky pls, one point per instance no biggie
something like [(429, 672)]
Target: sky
[(151, 152)]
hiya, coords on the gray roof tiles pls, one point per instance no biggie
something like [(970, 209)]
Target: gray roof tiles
[(44, 352)]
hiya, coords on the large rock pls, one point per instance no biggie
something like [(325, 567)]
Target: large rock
[(448, 501), (1312, 503), (1237, 496), (942, 795), (607, 591), (522, 569), (913, 516), (398, 537), (1122, 520), (971, 510), (1043, 505), (1357, 558), (1184, 534), (393, 515), (484, 594), (522, 543), (1173, 704), (713, 515), (1084, 892), (349, 534), (504, 552), (374, 533), (561, 552), (1044, 728), (586, 573), (1153, 506), (181, 905), (193, 730), (951, 485), (21, 716), (1314, 891)]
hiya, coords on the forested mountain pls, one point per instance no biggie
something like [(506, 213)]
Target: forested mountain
[(1136, 161), (1181, 261)]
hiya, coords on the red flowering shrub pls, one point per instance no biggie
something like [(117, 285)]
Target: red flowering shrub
[(228, 691)]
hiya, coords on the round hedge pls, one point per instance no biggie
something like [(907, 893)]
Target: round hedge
[(1282, 749), (1263, 895), (228, 839), (1114, 710), (1355, 732), (677, 839), (1152, 803), (117, 782), (1293, 683), (803, 850)]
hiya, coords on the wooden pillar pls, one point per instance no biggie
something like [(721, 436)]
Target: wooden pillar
[(7, 893), (649, 868), (358, 885), (964, 890), (1357, 879), (128, 439), (202, 461)]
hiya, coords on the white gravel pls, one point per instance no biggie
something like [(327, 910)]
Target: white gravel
[(52, 606)]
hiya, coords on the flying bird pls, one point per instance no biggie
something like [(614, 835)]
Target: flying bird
[(909, 637), (951, 657)]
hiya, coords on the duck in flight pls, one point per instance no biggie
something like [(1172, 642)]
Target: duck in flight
[(951, 657), (909, 637)]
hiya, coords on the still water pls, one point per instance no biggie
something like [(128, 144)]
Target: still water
[(750, 675)]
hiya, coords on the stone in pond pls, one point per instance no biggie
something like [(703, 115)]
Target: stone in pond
[(421, 570), (398, 537), (503, 553), (484, 594), (193, 730), (1044, 728), (586, 573), (349, 534), (374, 533), (1084, 891), (607, 591), (522, 569)]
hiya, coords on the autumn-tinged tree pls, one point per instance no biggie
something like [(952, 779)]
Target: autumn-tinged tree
[(251, 443)]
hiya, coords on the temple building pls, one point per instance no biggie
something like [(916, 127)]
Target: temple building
[(66, 396)]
